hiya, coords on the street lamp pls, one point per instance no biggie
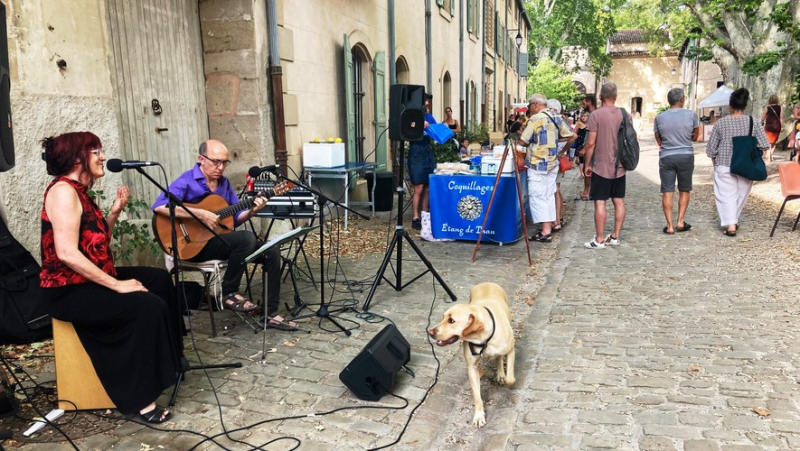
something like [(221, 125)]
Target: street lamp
[(518, 39)]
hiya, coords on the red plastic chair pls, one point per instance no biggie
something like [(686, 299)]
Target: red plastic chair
[(789, 174)]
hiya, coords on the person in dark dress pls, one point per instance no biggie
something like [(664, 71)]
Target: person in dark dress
[(126, 318), (421, 164)]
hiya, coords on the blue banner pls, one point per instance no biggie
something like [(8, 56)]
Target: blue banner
[(459, 202)]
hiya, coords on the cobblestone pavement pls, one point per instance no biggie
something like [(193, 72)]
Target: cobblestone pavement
[(665, 342)]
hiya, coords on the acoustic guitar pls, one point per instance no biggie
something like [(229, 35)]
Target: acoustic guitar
[(192, 236)]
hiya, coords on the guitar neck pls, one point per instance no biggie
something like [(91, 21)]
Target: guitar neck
[(245, 204)]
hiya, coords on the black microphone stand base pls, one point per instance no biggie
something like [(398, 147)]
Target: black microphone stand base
[(325, 313), (185, 367)]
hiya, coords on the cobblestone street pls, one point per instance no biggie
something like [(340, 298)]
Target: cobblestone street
[(665, 342)]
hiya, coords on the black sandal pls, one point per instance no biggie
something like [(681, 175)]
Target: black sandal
[(231, 302), (156, 416), (541, 238)]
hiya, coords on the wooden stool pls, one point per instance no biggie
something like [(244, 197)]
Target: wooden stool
[(76, 378)]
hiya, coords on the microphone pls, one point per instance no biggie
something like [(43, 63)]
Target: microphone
[(117, 165), (255, 171)]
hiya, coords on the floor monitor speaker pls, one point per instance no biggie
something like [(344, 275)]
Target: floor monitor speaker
[(371, 374), (406, 112)]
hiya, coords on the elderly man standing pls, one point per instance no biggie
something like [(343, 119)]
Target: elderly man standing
[(541, 136), (608, 176), (675, 129)]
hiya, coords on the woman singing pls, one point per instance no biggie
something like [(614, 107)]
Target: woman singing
[(126, 318)]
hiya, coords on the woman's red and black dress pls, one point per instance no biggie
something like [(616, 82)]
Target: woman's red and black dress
[(133, 339)]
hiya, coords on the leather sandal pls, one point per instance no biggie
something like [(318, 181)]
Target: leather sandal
[(231, 302), (156, 416)]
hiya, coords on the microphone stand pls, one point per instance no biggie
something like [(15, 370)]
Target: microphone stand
[(323, 312), (173, 203)]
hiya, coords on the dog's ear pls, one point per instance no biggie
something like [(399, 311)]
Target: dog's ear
[(474, 326)]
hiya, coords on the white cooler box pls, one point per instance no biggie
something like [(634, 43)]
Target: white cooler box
[(326, 155), (490, 165)]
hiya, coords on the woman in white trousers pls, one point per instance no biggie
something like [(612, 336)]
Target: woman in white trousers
[(731, 190)]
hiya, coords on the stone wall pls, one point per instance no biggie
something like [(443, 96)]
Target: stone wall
[(48, 100), (235, 50)]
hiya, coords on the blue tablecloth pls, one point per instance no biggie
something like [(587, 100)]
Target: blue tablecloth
[(458, 204)]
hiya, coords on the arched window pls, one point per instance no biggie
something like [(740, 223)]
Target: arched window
[(403, 74)]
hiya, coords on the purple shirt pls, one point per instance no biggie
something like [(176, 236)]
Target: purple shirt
[(191, 187)]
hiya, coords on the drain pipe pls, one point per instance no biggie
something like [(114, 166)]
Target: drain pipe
[(276, 78), (428, 56), (461, 64), (392, 55), (484, 78)]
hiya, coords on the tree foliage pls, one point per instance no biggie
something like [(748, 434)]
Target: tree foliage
[(582, 23), (550, 79)]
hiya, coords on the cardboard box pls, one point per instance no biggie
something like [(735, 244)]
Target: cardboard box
[(490, 165), (325, 155)]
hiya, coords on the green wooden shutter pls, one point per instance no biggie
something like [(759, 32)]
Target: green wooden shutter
[(452, 8), (349, 101), (469, 16), (379, 71)]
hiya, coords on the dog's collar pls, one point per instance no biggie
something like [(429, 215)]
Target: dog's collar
[(482, 346)]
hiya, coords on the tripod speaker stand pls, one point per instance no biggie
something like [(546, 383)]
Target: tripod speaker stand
[(406, 122)]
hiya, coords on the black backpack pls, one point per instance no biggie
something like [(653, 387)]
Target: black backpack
[(627, 143), (23, 318)]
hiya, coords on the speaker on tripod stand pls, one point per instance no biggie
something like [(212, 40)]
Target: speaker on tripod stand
[(406, 123)]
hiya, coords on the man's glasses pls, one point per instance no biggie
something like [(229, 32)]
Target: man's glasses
[(216, 162)]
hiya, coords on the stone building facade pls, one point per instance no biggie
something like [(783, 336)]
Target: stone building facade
[(154, 79)]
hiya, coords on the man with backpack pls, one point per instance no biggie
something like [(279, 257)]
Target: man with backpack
[(603, 166)]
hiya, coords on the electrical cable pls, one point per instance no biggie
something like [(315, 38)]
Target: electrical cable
[(435, 377), (33, 406)]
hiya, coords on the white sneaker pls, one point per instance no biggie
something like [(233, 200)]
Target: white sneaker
[(594, 245), (611, 241)]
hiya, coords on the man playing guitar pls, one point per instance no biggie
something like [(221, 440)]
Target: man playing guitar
[(195, 185)]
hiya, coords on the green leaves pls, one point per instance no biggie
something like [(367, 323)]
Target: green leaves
[(550, 79), (127, 235), (762, 62)]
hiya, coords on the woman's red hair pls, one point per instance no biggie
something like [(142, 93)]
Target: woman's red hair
[(61, 152)]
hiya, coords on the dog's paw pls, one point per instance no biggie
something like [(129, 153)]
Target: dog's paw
[(510, 380), (500, 378), (479, 419)]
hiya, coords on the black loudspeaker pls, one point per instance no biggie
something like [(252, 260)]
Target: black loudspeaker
[(406, 112), (371, 374), (6, 135)]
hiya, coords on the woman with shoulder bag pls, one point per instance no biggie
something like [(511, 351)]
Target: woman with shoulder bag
[(794, 135), (772, 120), (731, 190)]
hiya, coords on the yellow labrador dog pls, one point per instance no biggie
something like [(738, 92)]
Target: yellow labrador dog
[(484, 327)]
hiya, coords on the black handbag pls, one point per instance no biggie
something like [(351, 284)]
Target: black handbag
[(746, 160)]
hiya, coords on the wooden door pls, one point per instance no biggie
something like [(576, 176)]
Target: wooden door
[(159, 85)]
